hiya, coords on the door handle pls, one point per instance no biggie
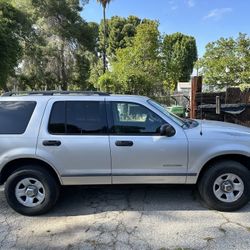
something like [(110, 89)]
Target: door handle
[(124, 143), (52, 143)]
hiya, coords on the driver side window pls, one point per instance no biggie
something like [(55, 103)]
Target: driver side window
[(133, 118)]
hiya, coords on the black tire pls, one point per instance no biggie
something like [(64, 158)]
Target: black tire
[(207, 181), (49, 183)]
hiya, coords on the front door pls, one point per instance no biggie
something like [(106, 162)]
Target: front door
[(74, 139), (139, 153)]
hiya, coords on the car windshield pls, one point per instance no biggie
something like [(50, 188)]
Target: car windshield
[(170, 115)]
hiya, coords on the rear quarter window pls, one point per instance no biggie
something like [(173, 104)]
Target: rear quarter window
[(78, 118), (15, 116)]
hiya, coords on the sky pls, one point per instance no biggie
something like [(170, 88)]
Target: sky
[(206, 20)]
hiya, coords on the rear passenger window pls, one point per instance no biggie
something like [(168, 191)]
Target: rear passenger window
[(57, 119), (78, 118), (15, 116)]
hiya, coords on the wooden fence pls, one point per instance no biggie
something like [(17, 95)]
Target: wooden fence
[(233, 105)]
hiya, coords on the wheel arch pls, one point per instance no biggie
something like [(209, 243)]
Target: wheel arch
[(243, 159), (15, 164)]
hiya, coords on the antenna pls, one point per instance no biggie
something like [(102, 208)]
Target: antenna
[(199, 86), (201, 99)]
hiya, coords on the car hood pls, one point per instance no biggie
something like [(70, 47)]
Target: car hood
[(225, 126), (217, 130)]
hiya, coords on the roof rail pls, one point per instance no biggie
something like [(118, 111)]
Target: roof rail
[(55, 92)]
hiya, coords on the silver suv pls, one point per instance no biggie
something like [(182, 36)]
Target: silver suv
[(50, 139)]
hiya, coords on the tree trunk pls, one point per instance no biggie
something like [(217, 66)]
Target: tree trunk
[(5, 88), (105, 41), (64, 82)]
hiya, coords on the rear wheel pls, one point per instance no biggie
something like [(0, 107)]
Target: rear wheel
[(31, 190), (225, 186)]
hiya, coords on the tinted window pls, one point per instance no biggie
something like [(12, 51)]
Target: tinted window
[(57, 119), (131, 118), (78, 117), (15, 116)]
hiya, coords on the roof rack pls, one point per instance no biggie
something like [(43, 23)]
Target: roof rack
[(54, 92)]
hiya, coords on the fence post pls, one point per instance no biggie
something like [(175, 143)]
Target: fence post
[(196, 87), (218, 105)]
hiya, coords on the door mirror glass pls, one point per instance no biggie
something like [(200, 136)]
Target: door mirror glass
[(167, 130)]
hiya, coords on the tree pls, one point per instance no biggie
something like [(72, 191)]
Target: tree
[(121, 33), (67, 43), (104, 4), (179, 53), (136, 67), (226, 62), (15, 28), (59, 50)]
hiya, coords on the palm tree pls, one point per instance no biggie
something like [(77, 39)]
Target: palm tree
[(104, 4)]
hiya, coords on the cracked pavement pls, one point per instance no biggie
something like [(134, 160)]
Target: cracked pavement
[(126, 217)]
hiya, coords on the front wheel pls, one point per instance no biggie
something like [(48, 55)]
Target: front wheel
[(225, 186), (31, 190)]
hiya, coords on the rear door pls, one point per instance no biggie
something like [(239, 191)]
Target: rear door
[(74, 139), (139, 153)]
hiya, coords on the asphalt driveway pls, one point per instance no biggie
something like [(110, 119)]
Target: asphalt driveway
[(131, 217)]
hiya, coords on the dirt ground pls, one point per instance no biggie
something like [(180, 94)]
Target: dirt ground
[(126, 217)]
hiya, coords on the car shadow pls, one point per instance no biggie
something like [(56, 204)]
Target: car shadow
[(90, 200), (81, 200)]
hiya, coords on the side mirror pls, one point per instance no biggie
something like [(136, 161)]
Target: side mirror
[(167, 130)]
